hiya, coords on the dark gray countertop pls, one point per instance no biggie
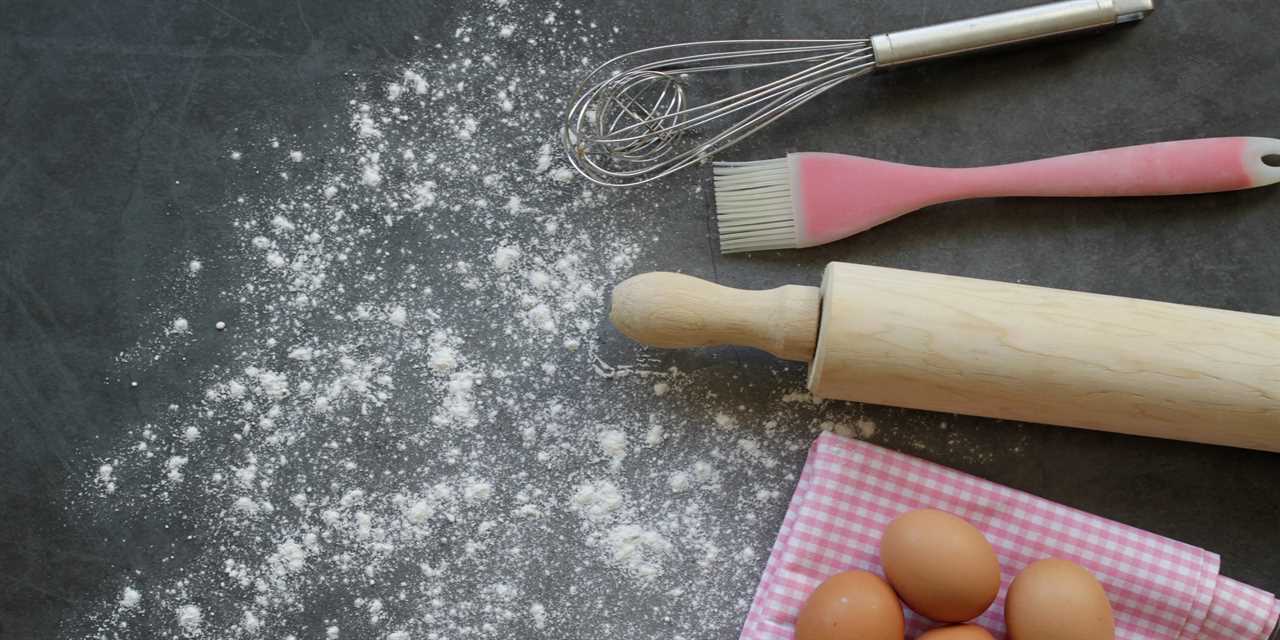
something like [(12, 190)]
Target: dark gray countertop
[(116, 118)]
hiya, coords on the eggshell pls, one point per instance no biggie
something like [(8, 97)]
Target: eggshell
[(940, 565), (855, 605), (957, 632), (1058, 600)]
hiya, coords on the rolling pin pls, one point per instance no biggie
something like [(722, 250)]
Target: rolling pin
[(993, 349)]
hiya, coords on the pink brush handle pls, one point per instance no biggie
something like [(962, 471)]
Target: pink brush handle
[(1167, 168), (837, 196)]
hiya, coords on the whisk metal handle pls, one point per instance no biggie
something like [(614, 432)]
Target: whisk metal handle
[(1000, 29)]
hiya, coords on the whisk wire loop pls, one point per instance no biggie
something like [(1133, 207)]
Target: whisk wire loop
[(638, 125)]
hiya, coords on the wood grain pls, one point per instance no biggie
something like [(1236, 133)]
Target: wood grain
[(676, 311), (960, 345)]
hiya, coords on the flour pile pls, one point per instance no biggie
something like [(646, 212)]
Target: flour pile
[(409, 435)]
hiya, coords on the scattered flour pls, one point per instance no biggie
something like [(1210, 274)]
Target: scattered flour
[(640, 550), (801, 396), (251, 622), (680, 482), (539, 615), (478, 491), (371, 175), (613, 445), (655, 435), (412, 432), (860, 428), (505, 256), (597, 500), (866, 428), (398, 316), (189, 618), (106, 478)]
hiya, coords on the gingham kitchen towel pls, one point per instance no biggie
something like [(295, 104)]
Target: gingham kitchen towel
[(849, 491)]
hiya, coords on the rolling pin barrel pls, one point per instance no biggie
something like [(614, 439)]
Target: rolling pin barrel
[(960, 345)]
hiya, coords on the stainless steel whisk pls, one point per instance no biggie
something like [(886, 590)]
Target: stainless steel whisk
[(630, 127)]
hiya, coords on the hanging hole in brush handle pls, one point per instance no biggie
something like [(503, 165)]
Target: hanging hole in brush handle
[(1003, 29), (1262, 160)]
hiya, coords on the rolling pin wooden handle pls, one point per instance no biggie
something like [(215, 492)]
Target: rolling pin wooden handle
[(674, 311)]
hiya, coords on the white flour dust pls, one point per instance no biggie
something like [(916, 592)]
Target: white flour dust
[(409, 433)]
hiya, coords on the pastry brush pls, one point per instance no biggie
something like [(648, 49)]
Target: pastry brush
[(809, 199)]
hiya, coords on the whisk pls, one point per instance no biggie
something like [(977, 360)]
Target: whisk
[(630, 127)]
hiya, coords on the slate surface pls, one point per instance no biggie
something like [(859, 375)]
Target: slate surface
[(113, 117)]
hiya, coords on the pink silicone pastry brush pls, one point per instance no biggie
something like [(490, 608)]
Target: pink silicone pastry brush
[(808, 199)]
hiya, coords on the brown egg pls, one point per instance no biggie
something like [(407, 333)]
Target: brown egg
[(940, 565), (957, 632), (1058, 600), (855, 605)]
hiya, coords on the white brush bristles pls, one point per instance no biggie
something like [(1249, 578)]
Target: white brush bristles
[(754, 210)]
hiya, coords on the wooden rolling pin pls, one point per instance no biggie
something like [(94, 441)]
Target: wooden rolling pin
[(960, 345)]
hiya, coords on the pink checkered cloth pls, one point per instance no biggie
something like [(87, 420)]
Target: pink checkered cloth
[(849, 492)]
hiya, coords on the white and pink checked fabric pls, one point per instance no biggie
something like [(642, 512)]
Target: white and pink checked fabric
[(1160, 589)]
